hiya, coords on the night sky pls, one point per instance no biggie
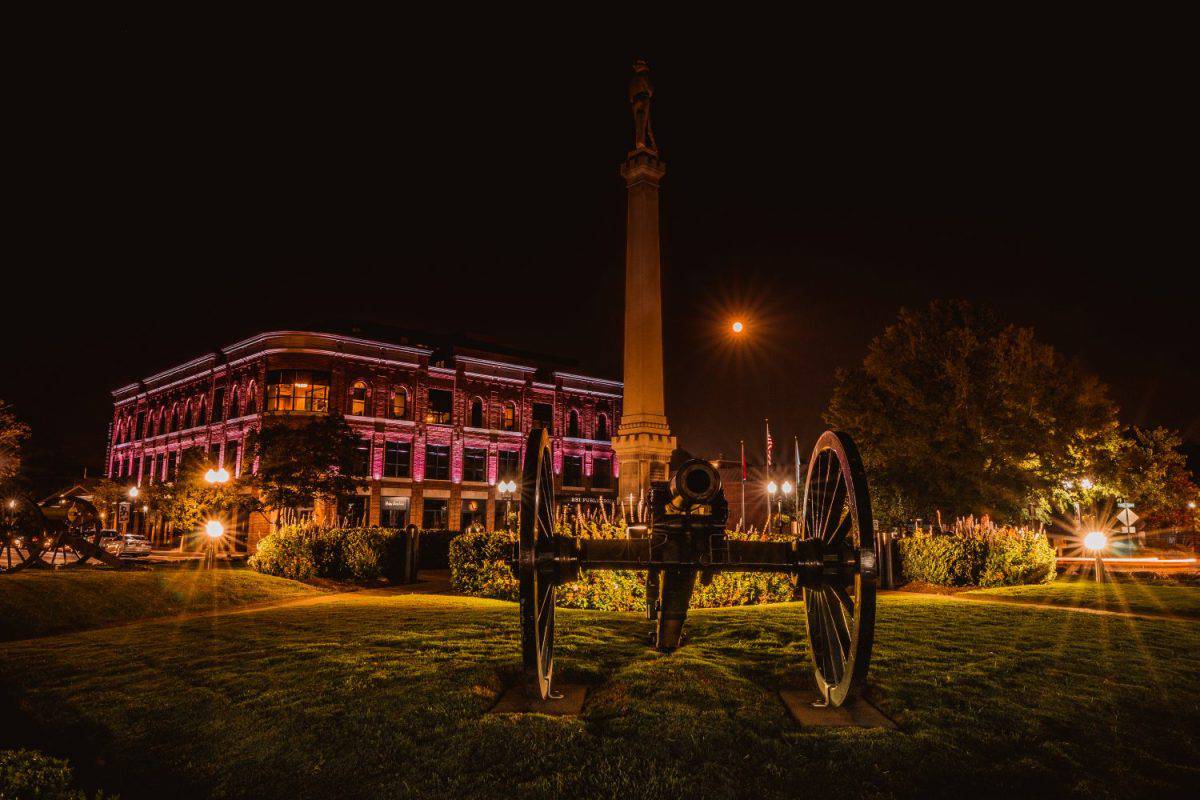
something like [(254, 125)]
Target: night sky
[(217, 187)]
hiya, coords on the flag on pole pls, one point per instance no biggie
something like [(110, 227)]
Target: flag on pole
[(743, 446), (770, 443)]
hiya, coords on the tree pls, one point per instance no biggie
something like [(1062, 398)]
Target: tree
[(300, 461), (188, 501), (13, 434), (1150, 471), (954, 411)]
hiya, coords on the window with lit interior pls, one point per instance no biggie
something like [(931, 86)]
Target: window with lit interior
[(358, 398), (400, 403), (297, 390)]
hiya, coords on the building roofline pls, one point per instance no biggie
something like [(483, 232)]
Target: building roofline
[(224, 355)]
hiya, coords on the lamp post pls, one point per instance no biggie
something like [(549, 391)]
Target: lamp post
[(506, 489), (1096, 541), (213, 531)]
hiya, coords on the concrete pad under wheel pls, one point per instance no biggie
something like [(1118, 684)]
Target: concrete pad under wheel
[(855, 714), (517, 701)]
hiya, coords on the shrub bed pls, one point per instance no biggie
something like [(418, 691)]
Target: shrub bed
[(304, 552), (477, 568), (999, 557), (31, 774)]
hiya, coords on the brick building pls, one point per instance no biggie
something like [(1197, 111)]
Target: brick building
[(439, 424)]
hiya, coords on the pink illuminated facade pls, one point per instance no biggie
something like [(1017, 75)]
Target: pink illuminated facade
[(439, 427)]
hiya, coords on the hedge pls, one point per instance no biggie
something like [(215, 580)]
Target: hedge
[(304, 552), (31, 774), (477, 568), (1000, 557)]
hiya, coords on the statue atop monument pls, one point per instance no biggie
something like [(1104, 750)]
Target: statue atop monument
[(640, 92)]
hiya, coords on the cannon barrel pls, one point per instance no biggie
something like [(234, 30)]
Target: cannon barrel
[(696, 483)]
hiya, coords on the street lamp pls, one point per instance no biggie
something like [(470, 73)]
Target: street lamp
[(506, 489), (213, 530), (133, 492), (737, 326), (217, 475), (1096, 541)]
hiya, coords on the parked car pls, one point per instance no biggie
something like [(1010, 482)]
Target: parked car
[(126, 545)]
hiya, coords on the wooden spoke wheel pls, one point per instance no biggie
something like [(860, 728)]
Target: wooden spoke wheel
[(840, 609), (21, 529), (74, 535), (535, 565)]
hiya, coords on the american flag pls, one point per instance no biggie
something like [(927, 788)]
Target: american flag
[(770, 442)]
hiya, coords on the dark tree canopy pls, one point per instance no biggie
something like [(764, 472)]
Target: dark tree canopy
[(300, 461), (13, 434), (956, 412)]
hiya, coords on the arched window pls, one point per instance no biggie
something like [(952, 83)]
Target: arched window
[(200, 416), (508, 417), (252, 399), (171, 417), (601, 427), (400, 403), (477, 413), (233, 403), (358, 398), (573, 424)]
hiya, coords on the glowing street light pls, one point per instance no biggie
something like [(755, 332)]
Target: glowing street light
[(1085, 484), (772, 488), (133, 492), (214, 529), (737, 327), (217, 475), (1192, 504), (1096, 541)]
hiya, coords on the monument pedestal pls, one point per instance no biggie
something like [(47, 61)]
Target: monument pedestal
[(644, 454)]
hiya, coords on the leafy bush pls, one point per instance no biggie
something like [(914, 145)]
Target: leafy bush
[(983, 557), (304, 552), (28, 774), (477, 568)]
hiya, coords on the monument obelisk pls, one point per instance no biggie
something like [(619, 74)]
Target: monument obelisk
[(643, 441)]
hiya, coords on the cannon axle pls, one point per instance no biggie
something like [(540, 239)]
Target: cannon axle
[(833, 561)]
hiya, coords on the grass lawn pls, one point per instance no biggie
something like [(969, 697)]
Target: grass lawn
[(1113, 596), (365, 695), (39, 602)]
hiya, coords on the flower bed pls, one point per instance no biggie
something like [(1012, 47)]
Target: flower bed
[(477, 568)]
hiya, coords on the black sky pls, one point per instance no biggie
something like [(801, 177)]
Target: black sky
[(208, 187)]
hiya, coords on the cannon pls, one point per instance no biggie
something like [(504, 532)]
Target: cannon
[(63, 533), (833, 560)]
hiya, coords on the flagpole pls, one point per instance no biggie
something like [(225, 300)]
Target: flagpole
[(742, 448)]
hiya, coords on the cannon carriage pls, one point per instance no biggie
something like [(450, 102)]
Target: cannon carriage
[(833, 561), (62, 534)]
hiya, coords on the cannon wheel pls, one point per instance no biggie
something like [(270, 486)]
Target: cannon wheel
[(21, 529), (78, 536), (535, 565), (840, 612)]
